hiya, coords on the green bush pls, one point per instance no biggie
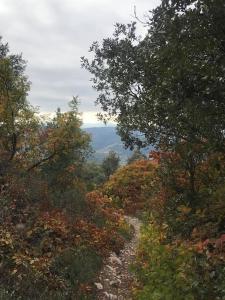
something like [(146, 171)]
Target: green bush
[(77, 266), (162, 269), (176, 271)]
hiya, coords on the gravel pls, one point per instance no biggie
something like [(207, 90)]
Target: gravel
[(115, 279)]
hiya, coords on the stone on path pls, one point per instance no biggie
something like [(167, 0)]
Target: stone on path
[(110, 296), (114, 259), (99, 286), (115, 277)]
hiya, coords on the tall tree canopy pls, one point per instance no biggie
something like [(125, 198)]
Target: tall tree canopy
[(169, 85), (16, 114), (110, 163), (27, 141)]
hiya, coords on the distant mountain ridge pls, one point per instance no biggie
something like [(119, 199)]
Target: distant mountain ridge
[(105, 139)]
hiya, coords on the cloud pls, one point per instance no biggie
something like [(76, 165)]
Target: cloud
[(53, 35)]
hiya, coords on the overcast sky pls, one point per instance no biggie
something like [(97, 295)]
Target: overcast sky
[(53, 35)]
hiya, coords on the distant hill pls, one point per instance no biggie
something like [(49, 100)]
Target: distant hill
[(105, 139)]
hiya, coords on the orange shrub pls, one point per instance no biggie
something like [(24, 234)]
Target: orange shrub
[(132, 186)]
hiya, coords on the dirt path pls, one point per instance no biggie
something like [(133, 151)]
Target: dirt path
[(115, 280)]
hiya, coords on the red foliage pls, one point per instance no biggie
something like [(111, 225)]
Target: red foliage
[(131, 186)]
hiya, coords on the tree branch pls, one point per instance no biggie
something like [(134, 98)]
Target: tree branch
[(41, 161)]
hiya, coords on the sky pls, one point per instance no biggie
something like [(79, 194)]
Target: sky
[(53, 35)]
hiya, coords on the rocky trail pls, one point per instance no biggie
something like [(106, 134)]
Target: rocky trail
[(115, 279)]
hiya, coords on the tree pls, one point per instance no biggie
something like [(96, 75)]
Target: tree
[(61, 138), (53, 236), (110, 164), (60, 158), (136, 155), (168, 85), (17, 116), (93, 175)]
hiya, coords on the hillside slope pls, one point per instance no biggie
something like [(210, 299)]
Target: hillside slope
[(105, 139)]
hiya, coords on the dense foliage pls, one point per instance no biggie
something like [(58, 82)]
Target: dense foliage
[(131, 186), (167, 88), (53, 234), (110, 163), (46, 253), (168, 85), (182, 245), (181, 252), (136, 155)]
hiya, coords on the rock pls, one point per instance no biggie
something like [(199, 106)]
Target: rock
[(115, 283), (115, 259), (110, 268), (98, 285), (110, 296)]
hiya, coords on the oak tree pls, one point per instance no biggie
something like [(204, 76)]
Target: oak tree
[(167, 86)]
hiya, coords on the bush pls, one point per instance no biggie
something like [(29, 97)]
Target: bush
[(132, 186), (181, 253), (77, 267), (45, 253), (162, 269)]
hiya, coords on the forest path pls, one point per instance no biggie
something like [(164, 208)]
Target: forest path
[(115, 279)]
